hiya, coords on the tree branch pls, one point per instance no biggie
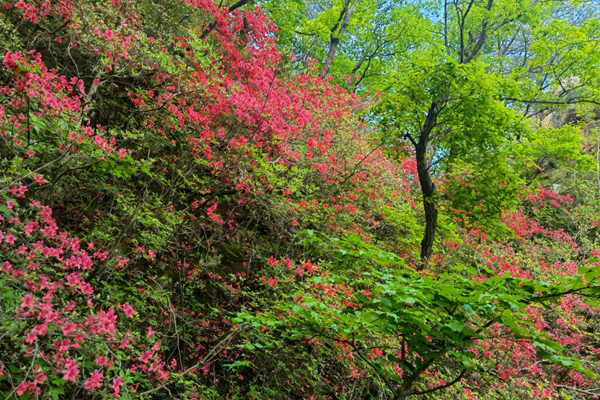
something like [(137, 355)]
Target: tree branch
[(435, 389)]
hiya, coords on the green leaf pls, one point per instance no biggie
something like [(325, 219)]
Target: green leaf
[(56, 392), (456, 326)]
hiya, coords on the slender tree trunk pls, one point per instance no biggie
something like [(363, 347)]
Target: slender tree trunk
[(336, 34), (427, 185), (431, 212)]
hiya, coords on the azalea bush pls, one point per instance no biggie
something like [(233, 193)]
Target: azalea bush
[(57, 340)]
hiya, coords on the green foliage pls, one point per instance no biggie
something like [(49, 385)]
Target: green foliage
[(419, 320)]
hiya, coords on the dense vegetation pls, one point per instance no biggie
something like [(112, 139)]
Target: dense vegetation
[(320, 199)]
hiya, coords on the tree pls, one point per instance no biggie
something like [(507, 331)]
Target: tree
[(463, 101), (351, 38)]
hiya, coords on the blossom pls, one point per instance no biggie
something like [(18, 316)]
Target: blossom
[(22, 388), (68, 328), (100, 361), (71, 372), (128, 310), (27, 301), (31, 337), (117, 383), (64, 345), (94, 381), (39, 179), (146, 356), (109, 35)]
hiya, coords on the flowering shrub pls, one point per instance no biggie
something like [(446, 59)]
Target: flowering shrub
[(56, 338)]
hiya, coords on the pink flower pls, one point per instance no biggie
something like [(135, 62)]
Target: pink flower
[(100, 361), (128, 310), (10, 204), (30, 227), (94, 380), (22, 388), (68, 328), (64, 345), (40, 329), (27, 301), (31, 337), (109, 35), (71, 372), (40, 378), (272, 282), (146, 356), (117, 383), (39, 179)]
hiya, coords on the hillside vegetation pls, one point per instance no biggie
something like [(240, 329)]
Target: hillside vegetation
[(321, 199)]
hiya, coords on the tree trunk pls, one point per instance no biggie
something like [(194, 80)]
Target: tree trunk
[(427, 185), (431, 212), (344, 19)]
